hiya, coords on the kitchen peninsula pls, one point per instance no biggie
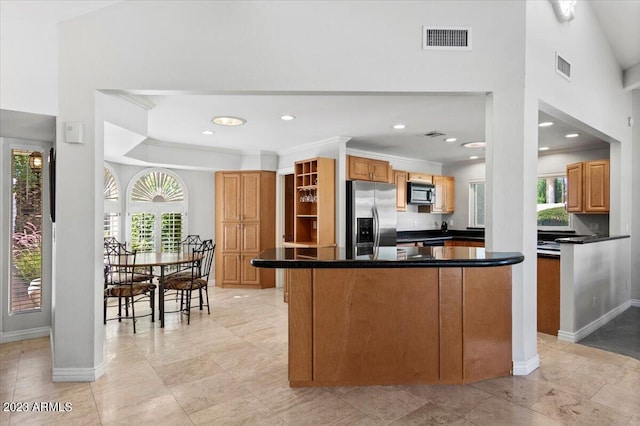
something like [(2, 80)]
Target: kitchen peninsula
[(406, 315)]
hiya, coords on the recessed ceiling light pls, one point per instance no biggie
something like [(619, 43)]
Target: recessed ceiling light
[(479, 144), (543, 148), (207, 132), (228, 121), (546, 124), (473, 157), (287, 117), (572, 135), (450, 139), (399, 126)]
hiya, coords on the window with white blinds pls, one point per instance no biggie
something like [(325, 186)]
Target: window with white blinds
[(171, 231), (111, 204), (157, 208), (143, 232), (26, 231), (112, 225)]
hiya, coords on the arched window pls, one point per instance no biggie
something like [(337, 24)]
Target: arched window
[(111, 203), (157, 209)]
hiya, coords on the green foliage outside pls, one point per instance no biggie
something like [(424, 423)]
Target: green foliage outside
[(542, 191), (556, 216), (142, 231), (27, 264)]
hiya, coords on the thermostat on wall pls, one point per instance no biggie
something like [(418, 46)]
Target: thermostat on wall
[(74, 132)]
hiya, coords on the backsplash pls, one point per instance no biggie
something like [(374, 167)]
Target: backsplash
[(412, 220), (591, 224)]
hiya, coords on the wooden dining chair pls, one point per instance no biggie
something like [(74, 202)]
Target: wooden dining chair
[(196, 279), (120, 284)]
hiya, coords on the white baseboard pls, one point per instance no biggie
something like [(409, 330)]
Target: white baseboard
[(31, 333), (635, 303), (78, 374), (523, 368), (573, 337)]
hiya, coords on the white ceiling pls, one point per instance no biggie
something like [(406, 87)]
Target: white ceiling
[(620, 20), (366, 119)]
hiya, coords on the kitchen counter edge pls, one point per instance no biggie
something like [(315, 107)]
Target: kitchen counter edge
[(590, 239), (270, 259)]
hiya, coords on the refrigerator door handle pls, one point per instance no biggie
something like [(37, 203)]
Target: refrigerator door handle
[(376, 226)]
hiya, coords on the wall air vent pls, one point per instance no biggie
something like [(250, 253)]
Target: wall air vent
[(563, 67), (446, 38), (434, 134)]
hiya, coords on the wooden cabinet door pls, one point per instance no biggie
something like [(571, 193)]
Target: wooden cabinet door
[(230, 268), (230, 237), (250, 232), (474, 244), (548, 295), (439, 204), (574, 187), (249, 274), (358, 168), (596, 186), (400, 179), (231, 197), (379, 170), (449, 194), (250, 196), (420, 177)]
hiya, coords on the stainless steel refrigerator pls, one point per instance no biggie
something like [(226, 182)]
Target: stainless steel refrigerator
[(371, 217)]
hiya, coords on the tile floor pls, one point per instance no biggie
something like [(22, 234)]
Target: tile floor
[(230, 368)]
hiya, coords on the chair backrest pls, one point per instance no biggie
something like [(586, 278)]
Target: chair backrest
[(112, 246), (121, 266), (206, 251), (189, 243)]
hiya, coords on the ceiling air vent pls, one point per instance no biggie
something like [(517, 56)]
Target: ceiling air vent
[(434, 134), (446, 38), (563, 67)]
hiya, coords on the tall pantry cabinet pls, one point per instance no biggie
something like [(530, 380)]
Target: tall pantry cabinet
[(245, 225)]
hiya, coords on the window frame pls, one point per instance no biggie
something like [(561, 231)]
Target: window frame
[(472, 203), (472, 220), (569, 227), (157, 209), (114, 207)]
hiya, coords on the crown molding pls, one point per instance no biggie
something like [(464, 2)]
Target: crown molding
[(140, 101), (316, 144)]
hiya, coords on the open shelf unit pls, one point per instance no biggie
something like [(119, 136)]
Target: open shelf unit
[(315, 201)]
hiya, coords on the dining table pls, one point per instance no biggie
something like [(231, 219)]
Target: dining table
[(161, 260)]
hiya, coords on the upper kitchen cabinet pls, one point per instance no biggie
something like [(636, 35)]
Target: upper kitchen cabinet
[(315, 202), (360, 168), (245, 225), (420, 177), (445, 195), (400, 179), (588, 187)]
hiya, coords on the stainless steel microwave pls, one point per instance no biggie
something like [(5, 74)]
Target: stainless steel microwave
[(420, 193)]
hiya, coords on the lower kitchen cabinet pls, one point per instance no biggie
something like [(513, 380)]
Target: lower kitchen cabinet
[(464, 243), (549, 295)]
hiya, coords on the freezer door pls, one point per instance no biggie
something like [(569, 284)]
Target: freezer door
[(385, 205), (363, 198)]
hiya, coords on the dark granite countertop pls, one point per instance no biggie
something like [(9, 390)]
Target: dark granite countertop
[(586, 239), (436, 234), (385, 257)]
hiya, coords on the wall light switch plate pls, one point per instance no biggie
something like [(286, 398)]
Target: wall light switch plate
[(74, 132)]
